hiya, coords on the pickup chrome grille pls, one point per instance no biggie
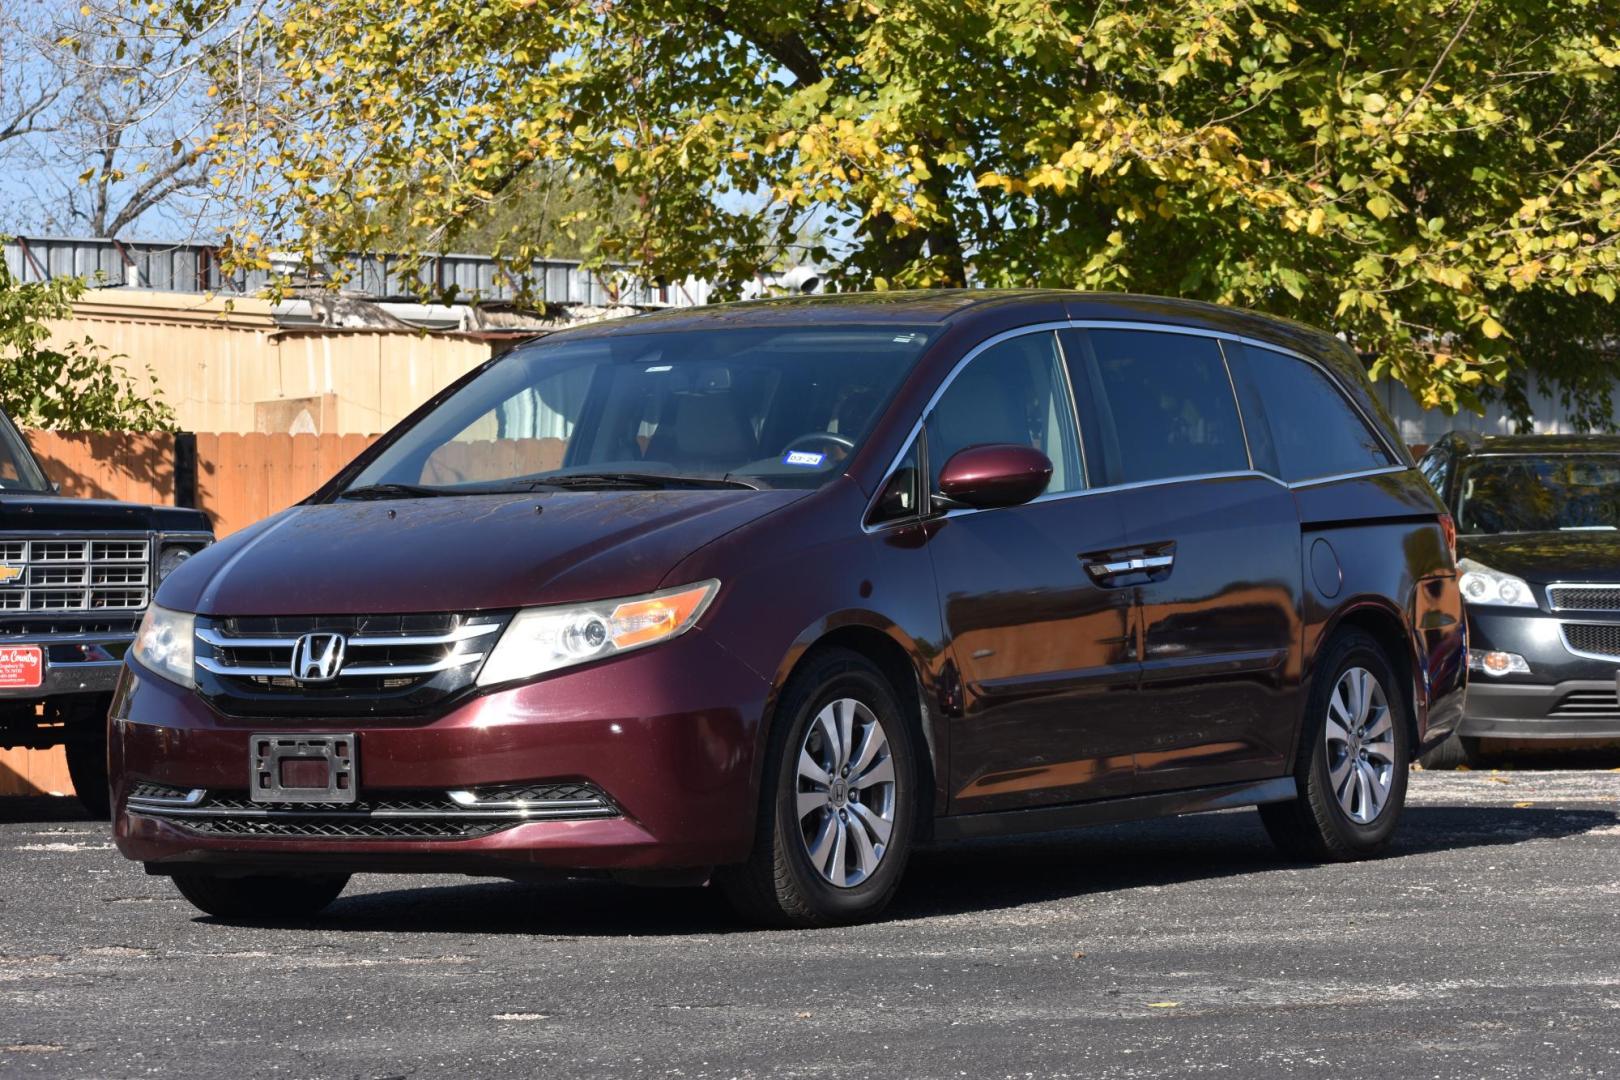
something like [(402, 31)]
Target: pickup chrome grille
[(385, 664), (1583, 597), (75, 573), (1601, 640), (393, 815)]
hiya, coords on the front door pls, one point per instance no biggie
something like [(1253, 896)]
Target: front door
[(1044, 651)]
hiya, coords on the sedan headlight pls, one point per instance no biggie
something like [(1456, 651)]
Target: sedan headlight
[(543, 639), (1482, 585), (164, 643)]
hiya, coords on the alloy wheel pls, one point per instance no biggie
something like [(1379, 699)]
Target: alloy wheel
[(1360, 746), (845, 792)]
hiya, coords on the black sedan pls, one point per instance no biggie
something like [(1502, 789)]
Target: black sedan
[(1538, 522)]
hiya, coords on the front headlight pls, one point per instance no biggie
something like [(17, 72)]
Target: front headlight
[(164, 644), (1482, 585), (543, 639)]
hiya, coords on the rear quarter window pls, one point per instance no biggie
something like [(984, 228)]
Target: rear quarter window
[(1314, 430)]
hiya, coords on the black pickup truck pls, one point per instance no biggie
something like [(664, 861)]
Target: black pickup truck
[(75, 578)]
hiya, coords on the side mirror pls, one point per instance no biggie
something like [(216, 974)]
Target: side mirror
[(1000, 474)]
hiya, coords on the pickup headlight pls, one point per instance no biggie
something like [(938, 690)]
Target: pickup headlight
[(543, 639), (164, 644), (1482, 585)]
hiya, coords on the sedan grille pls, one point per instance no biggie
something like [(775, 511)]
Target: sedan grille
[(1584, 597), (407, 815), (76, 574), (1592, 639)]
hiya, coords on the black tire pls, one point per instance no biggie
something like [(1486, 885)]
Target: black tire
[(1314, 826), (1457, 752), (86, 752), (779, 885), (264, 897)]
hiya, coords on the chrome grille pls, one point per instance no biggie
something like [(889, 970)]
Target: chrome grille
[(396, 653), (1601, 640), (400, 815), (76, 574), (1584, 597)]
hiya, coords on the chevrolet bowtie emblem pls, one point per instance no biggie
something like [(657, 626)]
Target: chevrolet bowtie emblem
[(8, 573)]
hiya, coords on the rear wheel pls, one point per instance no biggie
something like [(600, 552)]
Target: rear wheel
[(838, 805), (1352, 767), (268, 897)]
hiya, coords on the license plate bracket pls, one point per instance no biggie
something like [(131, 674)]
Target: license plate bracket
[(292, 767)]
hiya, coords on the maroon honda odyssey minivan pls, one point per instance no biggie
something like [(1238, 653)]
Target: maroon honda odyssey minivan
[(769, 594)]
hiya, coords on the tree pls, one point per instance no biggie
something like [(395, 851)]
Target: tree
[(96, 136), (1436, 179), (74, 387)]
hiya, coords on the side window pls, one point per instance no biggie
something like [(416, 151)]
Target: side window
[(1165, 405), (1013, 392), (1315, 429), (1434, 467), (902, 495)]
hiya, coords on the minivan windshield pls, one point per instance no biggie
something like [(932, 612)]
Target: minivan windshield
[(748, 407), (18, 472), (1512, 493)]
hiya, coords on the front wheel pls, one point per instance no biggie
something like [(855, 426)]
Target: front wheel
[(1354, 753), (260, 897), (838, 805)]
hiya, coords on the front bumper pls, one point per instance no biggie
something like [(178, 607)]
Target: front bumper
[(1565, 696), (74, 664), (669, 734)]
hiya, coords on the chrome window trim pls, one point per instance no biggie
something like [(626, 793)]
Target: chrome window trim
[(1360, 474), (1115, 324)]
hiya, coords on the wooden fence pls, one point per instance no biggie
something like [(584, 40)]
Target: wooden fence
[(237, 479)]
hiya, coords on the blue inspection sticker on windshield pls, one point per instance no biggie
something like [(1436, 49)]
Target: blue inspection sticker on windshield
[(803, 457)]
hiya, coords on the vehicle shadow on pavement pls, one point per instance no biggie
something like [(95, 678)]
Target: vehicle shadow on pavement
[(950, 879), (41, 809)]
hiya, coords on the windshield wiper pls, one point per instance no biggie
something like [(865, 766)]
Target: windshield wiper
[(393, 491), (646, 481)]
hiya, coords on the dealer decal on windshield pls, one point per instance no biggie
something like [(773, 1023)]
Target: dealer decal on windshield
[(803, 457)]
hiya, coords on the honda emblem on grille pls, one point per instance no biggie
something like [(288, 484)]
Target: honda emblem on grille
[(318, 657)]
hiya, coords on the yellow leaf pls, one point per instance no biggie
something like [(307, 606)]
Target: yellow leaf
[(1379, 206), (1491, 328)]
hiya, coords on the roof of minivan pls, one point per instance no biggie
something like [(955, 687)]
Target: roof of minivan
[(940, 306)]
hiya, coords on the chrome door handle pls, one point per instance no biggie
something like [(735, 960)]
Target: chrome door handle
[(1117, 567)]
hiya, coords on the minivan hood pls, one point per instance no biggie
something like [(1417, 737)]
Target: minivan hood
[(1544, 557), (459, 553)]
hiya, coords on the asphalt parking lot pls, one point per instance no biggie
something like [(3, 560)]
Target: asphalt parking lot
[(1487, 944)]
